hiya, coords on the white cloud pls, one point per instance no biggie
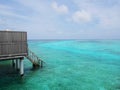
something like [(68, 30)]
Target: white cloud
[(107, 13), (62, 9), (34, 5), (5, 7), (109, 18), (81, 16), (38, 17), (8, 11), (12, 14)]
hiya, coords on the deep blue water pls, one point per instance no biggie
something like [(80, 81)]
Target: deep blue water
[(70, 65)]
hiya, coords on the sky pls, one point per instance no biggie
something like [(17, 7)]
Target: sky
[(62, 19)]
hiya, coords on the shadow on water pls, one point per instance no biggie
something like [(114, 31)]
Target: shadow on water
[(9, 76)]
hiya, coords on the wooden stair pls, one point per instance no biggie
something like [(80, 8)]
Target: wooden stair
[(36, 61)]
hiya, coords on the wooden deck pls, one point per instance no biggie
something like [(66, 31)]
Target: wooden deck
[(11, 58)]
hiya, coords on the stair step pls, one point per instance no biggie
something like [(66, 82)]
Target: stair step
[(34, 59)]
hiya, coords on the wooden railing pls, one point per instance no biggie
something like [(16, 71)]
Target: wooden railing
[(34, 59)]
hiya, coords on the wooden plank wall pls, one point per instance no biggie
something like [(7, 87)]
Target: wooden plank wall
[(13, 43)]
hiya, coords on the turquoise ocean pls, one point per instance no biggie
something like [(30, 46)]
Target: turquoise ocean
[(69, 65)]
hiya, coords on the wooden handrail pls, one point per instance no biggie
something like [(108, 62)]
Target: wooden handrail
[(34, 59)]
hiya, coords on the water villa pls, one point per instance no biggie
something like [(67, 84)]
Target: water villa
[(14, 47)]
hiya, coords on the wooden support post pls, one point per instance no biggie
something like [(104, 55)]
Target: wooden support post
[(41, 64), (34, 66), (13, 63), (21, 67), (17, 64)]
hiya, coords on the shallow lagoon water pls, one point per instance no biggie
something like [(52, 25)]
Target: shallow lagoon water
[(70, 65)]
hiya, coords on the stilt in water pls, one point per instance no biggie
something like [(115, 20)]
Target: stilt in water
[(41, 65), (21, 67), (35, 66), (13, 63), (17, 65)]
